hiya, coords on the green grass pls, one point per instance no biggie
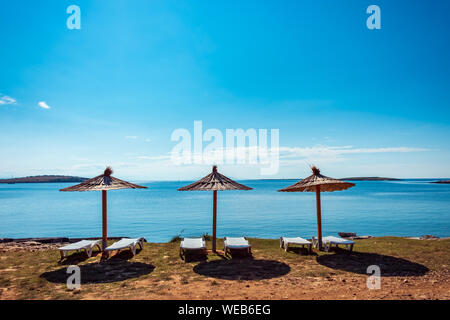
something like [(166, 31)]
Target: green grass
[(158, 267)]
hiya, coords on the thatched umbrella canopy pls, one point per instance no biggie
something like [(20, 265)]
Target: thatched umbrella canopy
[(103, 182), (214, 182), (317, 183)]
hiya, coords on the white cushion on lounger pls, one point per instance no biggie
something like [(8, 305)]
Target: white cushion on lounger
[(286, 242), (83, 244), (192, 243), (236, 243), (337, 240), (87, 245), (297, 240), (124, 243)]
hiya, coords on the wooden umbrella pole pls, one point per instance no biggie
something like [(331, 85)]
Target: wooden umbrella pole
[(319, 219), (104, 237), (214, 220)]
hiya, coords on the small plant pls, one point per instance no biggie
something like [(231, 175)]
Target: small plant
[(176, 238), (207, 237)]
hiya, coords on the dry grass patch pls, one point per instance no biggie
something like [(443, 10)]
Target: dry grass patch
[(411, 269)]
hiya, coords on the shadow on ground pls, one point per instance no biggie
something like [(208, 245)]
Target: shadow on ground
[(242, 269), (302, 251), (358, 262), (194, 257), (77, 257), (124, 255), (112, 270)]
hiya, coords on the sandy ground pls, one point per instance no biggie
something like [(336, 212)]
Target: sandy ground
[(252, 285), (432, 286)]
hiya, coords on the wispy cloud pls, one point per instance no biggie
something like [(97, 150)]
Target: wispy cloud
[(131, 137), (4, 100), (161, 157), (287, 155), (43, 105), (332, 151), (321, 155)]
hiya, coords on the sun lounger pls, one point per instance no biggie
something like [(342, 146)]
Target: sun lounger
[(125, 243), (240, 243), (329, 241), (86, 245), (193, 246), (286, 242)]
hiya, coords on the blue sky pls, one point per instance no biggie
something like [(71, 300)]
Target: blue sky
[(351, 100)]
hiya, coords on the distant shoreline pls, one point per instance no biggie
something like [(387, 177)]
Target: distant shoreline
[(75, 179), (43, 179), (442, 181), (370, 179)]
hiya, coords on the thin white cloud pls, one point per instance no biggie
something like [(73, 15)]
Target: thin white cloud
[(43, 105), (161, 157), (88, 166), (131, 137), (287, 155), (328, 151), (4, 100)]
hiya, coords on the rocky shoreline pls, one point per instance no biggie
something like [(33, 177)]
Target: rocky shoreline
[(27, 246)]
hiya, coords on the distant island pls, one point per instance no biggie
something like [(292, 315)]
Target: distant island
[(370, 179), (441, 181), (43, 179)]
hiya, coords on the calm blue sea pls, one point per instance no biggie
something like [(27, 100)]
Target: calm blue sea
[(401, 208)]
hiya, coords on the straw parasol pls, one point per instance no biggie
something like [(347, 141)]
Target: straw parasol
[(214, 182), (317, 183), (103, 182)]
